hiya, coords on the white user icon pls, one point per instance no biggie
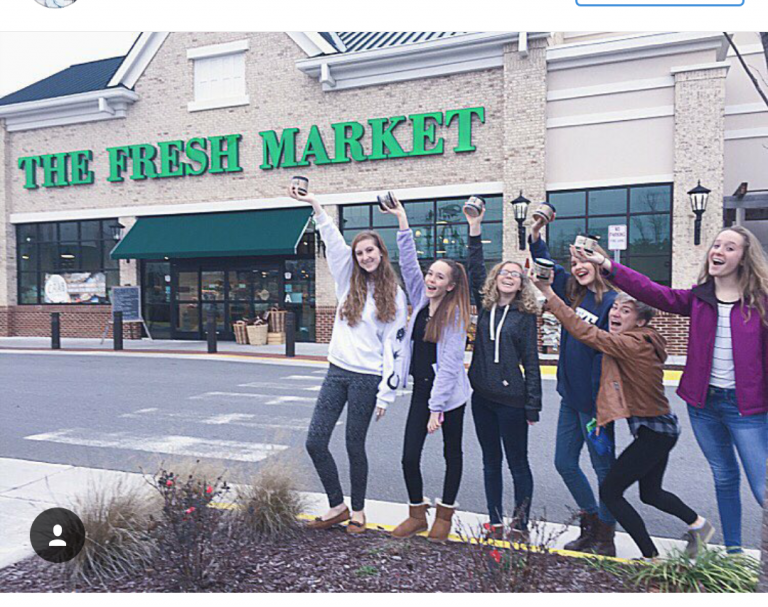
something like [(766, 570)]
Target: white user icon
[(57, 532)]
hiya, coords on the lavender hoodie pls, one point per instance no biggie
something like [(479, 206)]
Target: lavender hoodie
[(451, 388), (750, 339)]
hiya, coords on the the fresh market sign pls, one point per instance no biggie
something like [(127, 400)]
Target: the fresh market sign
[(221, 154)]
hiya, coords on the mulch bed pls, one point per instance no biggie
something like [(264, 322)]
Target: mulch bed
[(329, 561)]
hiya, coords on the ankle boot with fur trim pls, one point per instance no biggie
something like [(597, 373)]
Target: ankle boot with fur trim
[(415, 523), (442, 525)]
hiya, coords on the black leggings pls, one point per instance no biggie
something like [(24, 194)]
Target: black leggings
[(645, 460), (415, 435)]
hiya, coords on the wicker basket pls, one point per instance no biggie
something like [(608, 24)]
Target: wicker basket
[(277, 321), (241, 332), (274, 338), (257, 335)]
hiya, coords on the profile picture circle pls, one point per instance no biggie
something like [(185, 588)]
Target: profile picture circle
[(57, 535), (55, 3)]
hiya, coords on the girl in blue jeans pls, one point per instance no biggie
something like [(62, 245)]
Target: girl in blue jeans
[(578, 382), (725, 381), (505, 401)]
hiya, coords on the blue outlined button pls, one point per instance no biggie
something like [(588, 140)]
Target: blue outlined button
[(653, 3)]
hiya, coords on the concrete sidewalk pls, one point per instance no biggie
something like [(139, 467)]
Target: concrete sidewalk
[(228, 350), (27, 488)]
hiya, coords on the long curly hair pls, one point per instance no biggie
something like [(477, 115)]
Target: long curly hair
[(525, 298), (753, 274), (384, 281), (577, 292), (454, 308)]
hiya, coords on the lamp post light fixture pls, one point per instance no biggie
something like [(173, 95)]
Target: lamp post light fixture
[(117, 230), (699, 197), (520, 209)]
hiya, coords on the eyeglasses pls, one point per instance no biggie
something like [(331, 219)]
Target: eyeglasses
[(510, 273)]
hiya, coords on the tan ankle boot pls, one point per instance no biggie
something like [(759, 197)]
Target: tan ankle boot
[(415, 523), (442, 525)]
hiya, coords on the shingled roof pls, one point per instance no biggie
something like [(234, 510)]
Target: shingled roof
[(80, 78), (363, 41)]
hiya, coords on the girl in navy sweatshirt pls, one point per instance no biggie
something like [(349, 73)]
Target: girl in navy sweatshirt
[(578, 382)]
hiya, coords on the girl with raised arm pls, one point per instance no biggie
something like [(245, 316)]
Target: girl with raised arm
[(578, 380), (434, 355), (505, 401), (365, 343), (632, 388), (725, 381)]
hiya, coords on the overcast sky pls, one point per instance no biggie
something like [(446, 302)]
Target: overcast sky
[(26, 57)]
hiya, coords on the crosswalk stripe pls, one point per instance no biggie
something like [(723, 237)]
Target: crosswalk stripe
[(175, 445), (302, 377)]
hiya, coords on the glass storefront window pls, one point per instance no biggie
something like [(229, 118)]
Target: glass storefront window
[(569, 204), (357, 216), (652, 199), (645, 210), (240, 285), (608, 202), (188, 318), (188, 287), (439, 228), (212, 286), (70, 254)]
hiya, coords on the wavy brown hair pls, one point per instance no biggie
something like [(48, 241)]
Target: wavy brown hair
[(525, 298), (576, 292), (384, 280), (753, 274), (454, 308)]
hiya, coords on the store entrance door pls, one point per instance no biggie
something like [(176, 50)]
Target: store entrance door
[(231, 291)]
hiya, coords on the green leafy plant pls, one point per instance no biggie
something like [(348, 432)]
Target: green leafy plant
[(366, 570), (712, 571)]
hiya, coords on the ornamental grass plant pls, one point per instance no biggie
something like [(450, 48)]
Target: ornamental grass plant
[(713, 571), (268, 507), (117, 518)]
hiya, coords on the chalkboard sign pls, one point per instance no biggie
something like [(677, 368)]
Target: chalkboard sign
[(128, 301)]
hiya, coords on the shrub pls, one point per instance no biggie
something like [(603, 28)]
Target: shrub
[(515, 567), (117, 543), (269, 507), (188, 530)]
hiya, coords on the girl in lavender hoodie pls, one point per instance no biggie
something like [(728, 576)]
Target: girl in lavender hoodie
[(435, 341), (725, 381)]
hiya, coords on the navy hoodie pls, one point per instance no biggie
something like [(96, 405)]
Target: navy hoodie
[(579, 367)]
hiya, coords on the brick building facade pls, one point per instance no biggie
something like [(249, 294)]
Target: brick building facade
[(592, 117)]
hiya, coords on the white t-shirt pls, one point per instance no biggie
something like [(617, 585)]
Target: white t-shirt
[(722, 375)]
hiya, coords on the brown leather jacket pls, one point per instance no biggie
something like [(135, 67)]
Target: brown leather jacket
[(632, 377)]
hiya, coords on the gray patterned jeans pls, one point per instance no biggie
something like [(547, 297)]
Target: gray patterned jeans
[(341, 387)]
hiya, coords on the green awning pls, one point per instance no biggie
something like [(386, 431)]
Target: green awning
[(244, 233)]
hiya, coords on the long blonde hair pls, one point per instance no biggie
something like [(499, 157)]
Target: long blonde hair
[(385, 285), (752, 272), (525, 298), (577, 292), (454, 308)]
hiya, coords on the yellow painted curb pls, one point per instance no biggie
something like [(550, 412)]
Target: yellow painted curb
[(457, 538)]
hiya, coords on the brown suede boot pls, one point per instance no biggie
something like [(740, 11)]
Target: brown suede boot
[(586, 539), (441, 527), (604, 539), (415, 523)]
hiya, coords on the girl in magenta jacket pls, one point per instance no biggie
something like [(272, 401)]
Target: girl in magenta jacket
[(725, 381)]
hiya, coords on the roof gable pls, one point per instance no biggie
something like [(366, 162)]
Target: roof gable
[(80, 78)]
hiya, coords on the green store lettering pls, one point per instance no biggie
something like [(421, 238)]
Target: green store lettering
[(280, 151), (351, 142)]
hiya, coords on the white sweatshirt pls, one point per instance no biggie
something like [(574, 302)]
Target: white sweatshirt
[(371, 347)]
